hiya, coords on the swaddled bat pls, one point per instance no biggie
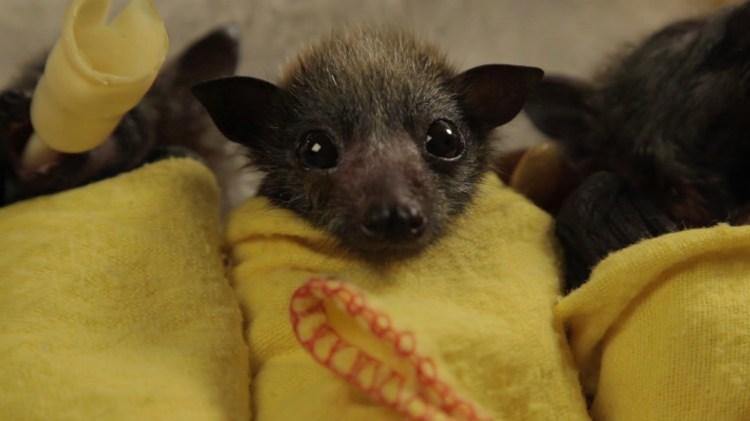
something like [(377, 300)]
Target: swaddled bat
[(671, 117), (371, 135), (167, 122)]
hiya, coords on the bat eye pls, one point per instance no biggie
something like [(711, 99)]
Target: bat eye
[(318, 151), (444, 141)]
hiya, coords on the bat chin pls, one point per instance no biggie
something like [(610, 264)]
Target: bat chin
[(383, 251)]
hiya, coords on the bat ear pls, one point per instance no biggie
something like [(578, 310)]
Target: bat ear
[(215, 55), (241, 107), (493, 94), (560, 108), (733, 45)]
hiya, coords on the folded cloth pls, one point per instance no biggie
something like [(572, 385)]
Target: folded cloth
[(114, 304), (661, 330), (465, 330)]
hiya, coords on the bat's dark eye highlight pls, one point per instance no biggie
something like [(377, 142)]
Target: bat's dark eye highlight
[(318, 151), (444, 141)]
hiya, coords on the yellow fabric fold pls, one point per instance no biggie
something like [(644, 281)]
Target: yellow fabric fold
[(662, 329), (114, 303), (478, 305)]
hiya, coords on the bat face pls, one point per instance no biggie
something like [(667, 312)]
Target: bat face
[(371, 135), (166, 119), (671, 117)]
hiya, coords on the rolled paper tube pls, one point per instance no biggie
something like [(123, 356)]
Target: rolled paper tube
[(97, 71)]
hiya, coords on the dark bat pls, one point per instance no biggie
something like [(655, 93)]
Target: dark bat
[(671, 117), (167, 122), (371, 135)]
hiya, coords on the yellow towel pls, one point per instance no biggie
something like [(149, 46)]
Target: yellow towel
[(661, 331), (114, 305), (465, 330)]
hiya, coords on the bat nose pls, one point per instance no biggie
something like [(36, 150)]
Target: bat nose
[(394, 221)]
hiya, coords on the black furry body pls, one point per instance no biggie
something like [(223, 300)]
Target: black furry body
[(671, 117), (374, 93)]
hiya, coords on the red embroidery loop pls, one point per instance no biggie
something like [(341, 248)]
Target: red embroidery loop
[(431, 399)]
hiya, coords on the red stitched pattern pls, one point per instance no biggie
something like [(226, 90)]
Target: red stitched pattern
[(430, 399)]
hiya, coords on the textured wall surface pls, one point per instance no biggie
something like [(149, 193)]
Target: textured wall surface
[(570, 36), (558, 35)]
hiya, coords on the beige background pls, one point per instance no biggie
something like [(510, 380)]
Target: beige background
[(569, 36), (558, 35)]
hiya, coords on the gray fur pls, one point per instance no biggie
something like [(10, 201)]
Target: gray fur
[(376, 91)]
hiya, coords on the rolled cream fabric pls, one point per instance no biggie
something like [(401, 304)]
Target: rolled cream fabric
[(97, 71), (464, 331), (661, 330), (114, 304)]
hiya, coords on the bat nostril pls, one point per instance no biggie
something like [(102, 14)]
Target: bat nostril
[(395, 222), (376, 220), (12, 97), (411, 217)]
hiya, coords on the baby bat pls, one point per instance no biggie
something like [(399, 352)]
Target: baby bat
[(371, 135), (167, 122), (671, 117)]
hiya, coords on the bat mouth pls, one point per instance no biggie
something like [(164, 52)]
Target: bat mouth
[(17, 136), (387, 251), (381, 249), (16, 132)]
